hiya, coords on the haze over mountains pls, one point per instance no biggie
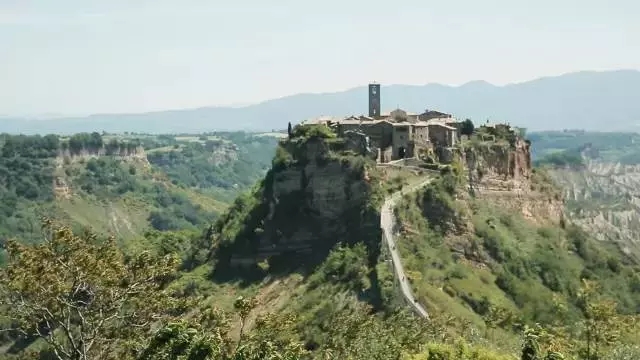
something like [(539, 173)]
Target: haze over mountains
[(597, 101)]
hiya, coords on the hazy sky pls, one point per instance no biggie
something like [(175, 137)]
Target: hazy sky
[(89, 56)]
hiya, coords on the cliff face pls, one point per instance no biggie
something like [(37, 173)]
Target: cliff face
[(604, 198), (499, 160), (123, 152), (311, 199), (502, 173), (61, 187)]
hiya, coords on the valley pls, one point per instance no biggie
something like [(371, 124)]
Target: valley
[(598, 174), (126, 184), (305, 242)]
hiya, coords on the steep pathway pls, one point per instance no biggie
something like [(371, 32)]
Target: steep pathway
[(386, 223)]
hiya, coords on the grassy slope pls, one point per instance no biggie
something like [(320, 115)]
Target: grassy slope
[(465, 258), (341, 281), (497, 258), (340, 284)]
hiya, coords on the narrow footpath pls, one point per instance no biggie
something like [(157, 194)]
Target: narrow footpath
[(387, 222)]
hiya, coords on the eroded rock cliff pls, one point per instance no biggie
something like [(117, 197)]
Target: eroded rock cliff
[(123, 152), (604, 198), (61, 186), (502, 173), (314, 196)]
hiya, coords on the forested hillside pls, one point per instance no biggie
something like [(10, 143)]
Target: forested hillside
[(124, 184), (296, 267)]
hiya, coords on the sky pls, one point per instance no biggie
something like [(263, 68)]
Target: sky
[(77, 57)]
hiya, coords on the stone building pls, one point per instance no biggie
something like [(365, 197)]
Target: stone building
[(397, 134)]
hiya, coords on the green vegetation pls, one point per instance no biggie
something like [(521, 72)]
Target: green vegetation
[(26, 177), (220, 165), (79, 294), (571, 158), (467, 127), (493, 268), (118, 306), (294, 268), (254, 222), (604, 146), (497, 134), (108, 183)]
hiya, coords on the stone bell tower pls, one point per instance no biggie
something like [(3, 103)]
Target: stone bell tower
[(374, 100)]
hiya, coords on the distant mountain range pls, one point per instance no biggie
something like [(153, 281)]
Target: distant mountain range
[(596, 101)]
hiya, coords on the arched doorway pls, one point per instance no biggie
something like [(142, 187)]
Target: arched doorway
[(401, 152)]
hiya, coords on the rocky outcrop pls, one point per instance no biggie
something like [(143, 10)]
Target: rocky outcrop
[(62, 188), (500, 160), (502, 173), (312, 198), (123, 152)]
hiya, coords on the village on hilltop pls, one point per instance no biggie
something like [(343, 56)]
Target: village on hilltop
[(399, 134)]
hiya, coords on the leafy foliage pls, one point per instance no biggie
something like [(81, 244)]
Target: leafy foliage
[(476, 266), (604, 146), (256, 217), (207, 337), (467, 127), (81, 295), (569, 158), (528, 272)]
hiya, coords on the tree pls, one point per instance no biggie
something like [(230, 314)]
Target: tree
[(467, 127), (289, 130), (81, 295), (207, 338), (353, 332), (531, 348), (602, 326), (495, 317)]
